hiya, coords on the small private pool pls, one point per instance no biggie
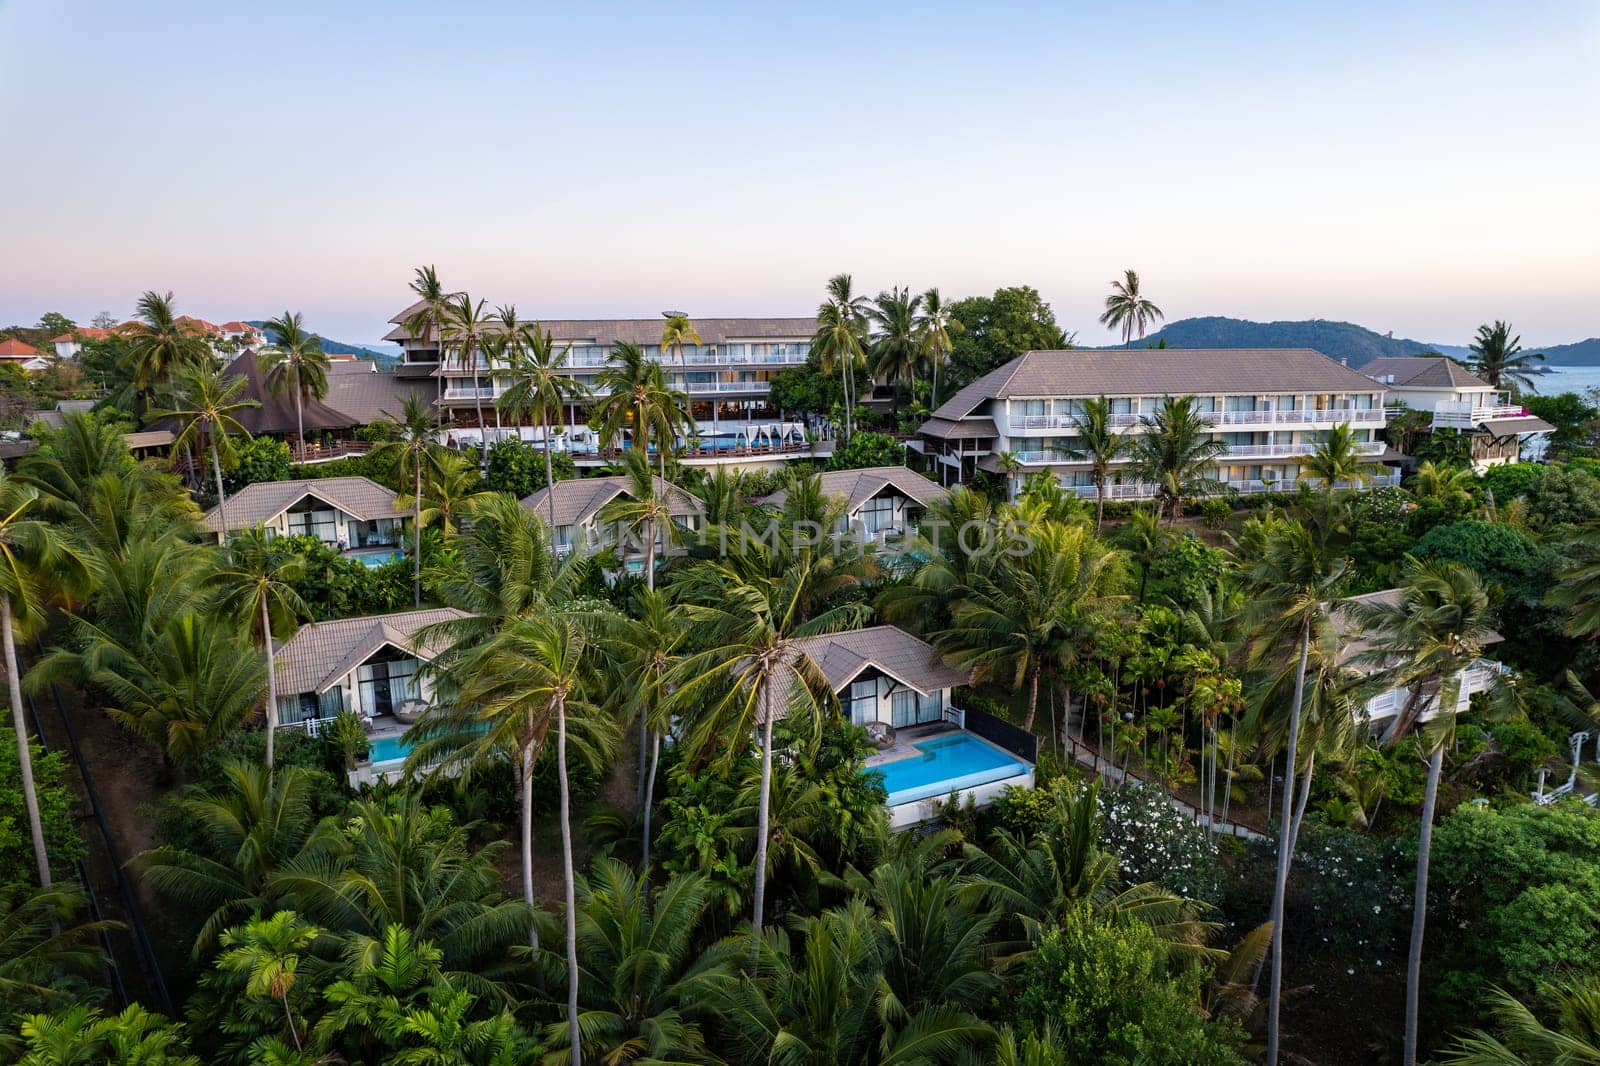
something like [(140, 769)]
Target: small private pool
[(375, 557), (387, 749), (945, 764)]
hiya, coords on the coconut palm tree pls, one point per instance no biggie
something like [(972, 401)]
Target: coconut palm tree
[(507, 346), (1340, 460), (414, 444), (257, 582), (206, 406), (82, 1034), (633, 391), (1451, 486), (1291, 578), (160, 346), (295, 361), (1102, 445), (840, 339), (1177, 454), (1423, 640), (1498, 358), (32, 554), (1128, 310), (676, 332), (537, 388), (643, 977), (528, 678), (1028, 616), (427, 321), (1521, 1038), (268, 952), (895, 350), (42, 941), (466, 328), (935, 326), (450, 485), (1579, 588), (750, 672)]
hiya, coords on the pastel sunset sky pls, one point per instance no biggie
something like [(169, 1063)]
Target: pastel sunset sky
[(1419, 168)]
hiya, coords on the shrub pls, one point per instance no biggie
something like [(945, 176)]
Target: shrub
[(58, 809), (385, 471), (1155, 841), (517, 467), (258, 459), (1183, 573), (1359, 890), (1564, 496), (1215, 512), (868, 449), (1510, 480)]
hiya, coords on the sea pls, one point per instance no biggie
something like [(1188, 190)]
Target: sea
[(1560, 379)]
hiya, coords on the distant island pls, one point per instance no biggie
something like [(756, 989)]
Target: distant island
[(1345, 341)]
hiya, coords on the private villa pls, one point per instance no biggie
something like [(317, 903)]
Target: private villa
[(879, 501), (579, 524), (1381, 710), (898, 688), (23, 356), (354, 515), (727, 378), (1458, 399), (1269, 407)]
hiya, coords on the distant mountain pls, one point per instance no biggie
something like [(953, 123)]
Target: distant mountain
[(1344, 341), (1580, 353), (333, 347)]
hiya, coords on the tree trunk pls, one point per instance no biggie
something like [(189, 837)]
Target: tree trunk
[(222, 497), (1033, 697), (1419, 908), (571, 885), (1100, 503), (527, 838), (294, 1032), (416, 559), (299, 415), (933, 390), (549, 483), (763, 813), (272, 684), (1281, 885), (1304, 801), (649, 801), (644, 723), (30, 797)]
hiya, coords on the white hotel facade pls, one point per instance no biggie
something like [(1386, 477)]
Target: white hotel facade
[(1270, 408)]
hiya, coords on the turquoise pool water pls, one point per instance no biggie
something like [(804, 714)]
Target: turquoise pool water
[(376, 557), (388, 749), (946, 763)]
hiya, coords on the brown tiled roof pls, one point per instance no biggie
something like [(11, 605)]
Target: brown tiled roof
[(859, 486), (11, 348), (150, 438), (610, 331), (366, 396), (1423, 371), (1157, 372), (88, 333), (322, 653), (841, 657), (1511, 427), (277, 413), (265, 500), (580, 499), (966, 429)]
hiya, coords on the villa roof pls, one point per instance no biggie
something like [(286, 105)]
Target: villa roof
[(264, 501), (610, 331), (966, 429), (365, 394), (1511, 427), (1156, 372), (322, 653), (1422, 372), (77, 333), (11, 348), (238, 327), (859, 486), (841, 658), (276, 414), (149, 438), (580, 499)]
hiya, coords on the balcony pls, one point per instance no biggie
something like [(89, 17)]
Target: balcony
[(482, 392), (1139, 491), (713, 388), (1467, 414), (1372, 416), (1288, 451)]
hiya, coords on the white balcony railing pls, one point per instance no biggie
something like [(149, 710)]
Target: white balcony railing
[(1464, 414), (1140, 491), (1303, 416), (482, 392)]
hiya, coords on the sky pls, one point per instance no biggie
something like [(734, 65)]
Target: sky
[(1416, 168)]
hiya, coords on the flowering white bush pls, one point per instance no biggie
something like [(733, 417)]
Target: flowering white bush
[(1357, 884), (1157, 842)]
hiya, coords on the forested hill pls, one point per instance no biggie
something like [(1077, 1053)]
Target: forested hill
[(1338, 340), (1579, 353), (333, 347)]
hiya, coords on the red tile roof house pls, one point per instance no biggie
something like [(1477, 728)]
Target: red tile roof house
[(22, 355), (69, 344)]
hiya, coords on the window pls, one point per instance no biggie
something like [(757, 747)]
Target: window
[(1033, 407), (877, 514), (904, 704), (930, 708), (1121, 405), (864, 701), (1240, 403)]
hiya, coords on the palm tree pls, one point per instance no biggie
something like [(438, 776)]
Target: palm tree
[(414, 443), (1498, 358), (268, 951), (507, 347), (31, 552), (257, 582), (80, 1034), (1177, 453), (525, 680), (538, 389), (1292, 578), (448, 489), (752, 671), (1128, 310), (42, 941), (633, 390), (1450, 486), (676, 332), (433, 308), (1522, 1039), (1579, 588), (934, 327), (161, 346), (1031, 614), (642, 973), (643, 513), (206, 405), (1423, 640), (895, 349), (839, 340), (1340, 460), (296, 361), (466, 327), (1102, 445)]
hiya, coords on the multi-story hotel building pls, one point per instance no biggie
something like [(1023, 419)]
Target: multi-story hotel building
[(1270, 407), (727, 376)]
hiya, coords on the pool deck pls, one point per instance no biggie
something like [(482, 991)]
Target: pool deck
[(915, 812), (907, 739)]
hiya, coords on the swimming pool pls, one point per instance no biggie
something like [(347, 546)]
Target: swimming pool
[(388, 749), (947, 763), (375, 557)]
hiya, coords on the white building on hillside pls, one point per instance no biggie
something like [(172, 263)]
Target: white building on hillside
[(1460, 400)]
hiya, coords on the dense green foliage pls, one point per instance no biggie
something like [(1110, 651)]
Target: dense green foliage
[(517, 467)]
